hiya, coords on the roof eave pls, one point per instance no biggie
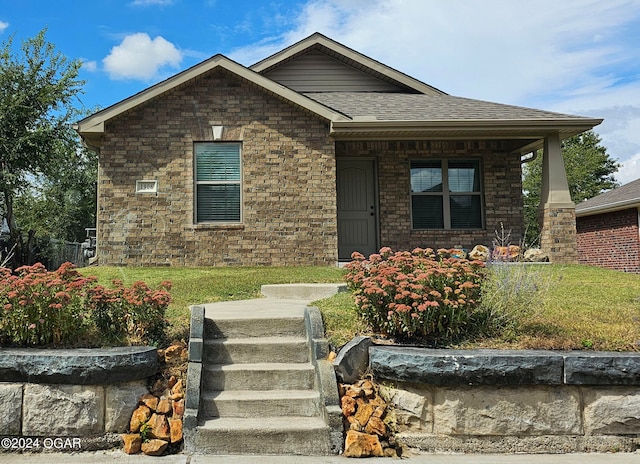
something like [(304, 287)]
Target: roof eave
[(609, 208), (472, 128)]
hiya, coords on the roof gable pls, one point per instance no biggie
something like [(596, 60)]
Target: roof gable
[(296, 65), (94, 124)]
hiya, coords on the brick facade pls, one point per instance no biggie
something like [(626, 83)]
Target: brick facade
[(288, 169), (501, 181), (288, 188), (610, 240)]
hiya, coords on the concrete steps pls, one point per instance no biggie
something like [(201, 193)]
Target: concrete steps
[(264, 435), (259, 392), (270, 403), (284, 349), (258, 376)]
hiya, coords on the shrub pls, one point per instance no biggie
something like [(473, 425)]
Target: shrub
[(135, 314), (512, 294), (416, 294), (41, 307), (63, 307)]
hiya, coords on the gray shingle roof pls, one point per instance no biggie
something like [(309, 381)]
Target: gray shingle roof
[(627, 195), (417, 107)]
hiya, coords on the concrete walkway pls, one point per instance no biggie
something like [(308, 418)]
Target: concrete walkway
[(112, 457)]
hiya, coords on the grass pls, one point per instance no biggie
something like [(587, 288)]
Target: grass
[(209, 285), (585, 308)]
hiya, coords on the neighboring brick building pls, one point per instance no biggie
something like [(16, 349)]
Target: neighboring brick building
[(309, 155), (608, 229)]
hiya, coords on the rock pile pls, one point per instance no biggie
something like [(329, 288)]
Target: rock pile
[(156, 424), (157, 421), (364, 412)]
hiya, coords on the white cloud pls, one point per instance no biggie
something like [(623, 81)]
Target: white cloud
[(3, 26), (140, 57), (630, 169), (89, 65), (574, 56)]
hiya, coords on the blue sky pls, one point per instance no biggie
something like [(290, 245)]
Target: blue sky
[(573, 56)]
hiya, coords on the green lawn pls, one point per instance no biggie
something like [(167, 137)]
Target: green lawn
[(584, 308), (208, 285)]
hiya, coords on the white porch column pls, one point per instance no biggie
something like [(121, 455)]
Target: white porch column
[(556, 212)]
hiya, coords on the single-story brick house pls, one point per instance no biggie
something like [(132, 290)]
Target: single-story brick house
[(313, 153), (608, 228)]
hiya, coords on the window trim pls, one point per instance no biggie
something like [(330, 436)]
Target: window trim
[(196, 182), (446, 194)]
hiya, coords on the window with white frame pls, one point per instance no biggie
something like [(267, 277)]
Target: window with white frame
[(446, 194), (218, 177)]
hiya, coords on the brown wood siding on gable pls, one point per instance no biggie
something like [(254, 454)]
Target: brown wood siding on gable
[(289, 209), (317, 72)]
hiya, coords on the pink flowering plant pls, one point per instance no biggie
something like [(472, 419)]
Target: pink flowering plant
[(64, 308), (417, 294), (135, 313)]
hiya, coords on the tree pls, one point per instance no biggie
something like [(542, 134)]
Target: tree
[(38, 87), (590, 171)]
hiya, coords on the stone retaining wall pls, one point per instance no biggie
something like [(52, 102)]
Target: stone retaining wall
[(511, 401), (72, 393)]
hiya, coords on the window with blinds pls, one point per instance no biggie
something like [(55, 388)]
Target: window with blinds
[(446, 194), (218, 182)]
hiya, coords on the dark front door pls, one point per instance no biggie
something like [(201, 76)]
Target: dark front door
[(357, 214)]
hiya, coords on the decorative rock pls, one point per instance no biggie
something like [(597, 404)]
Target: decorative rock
[(149, 401), (535, 255), (466, 367), (175, 354), (348, 406), (375, 426), (154, 447), (479, 253), (132, 443), (178, 388), (11, 401), (505, 253), (352, 360), (139, 417), (359, 445), (458, 253), (159, 427), (364, 413), (178, 408), (172, 381), (176, 430), (164, 406), (508, 411), (62, 410), (120, 403)]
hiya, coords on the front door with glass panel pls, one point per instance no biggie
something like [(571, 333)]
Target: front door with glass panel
[(357, 212)]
